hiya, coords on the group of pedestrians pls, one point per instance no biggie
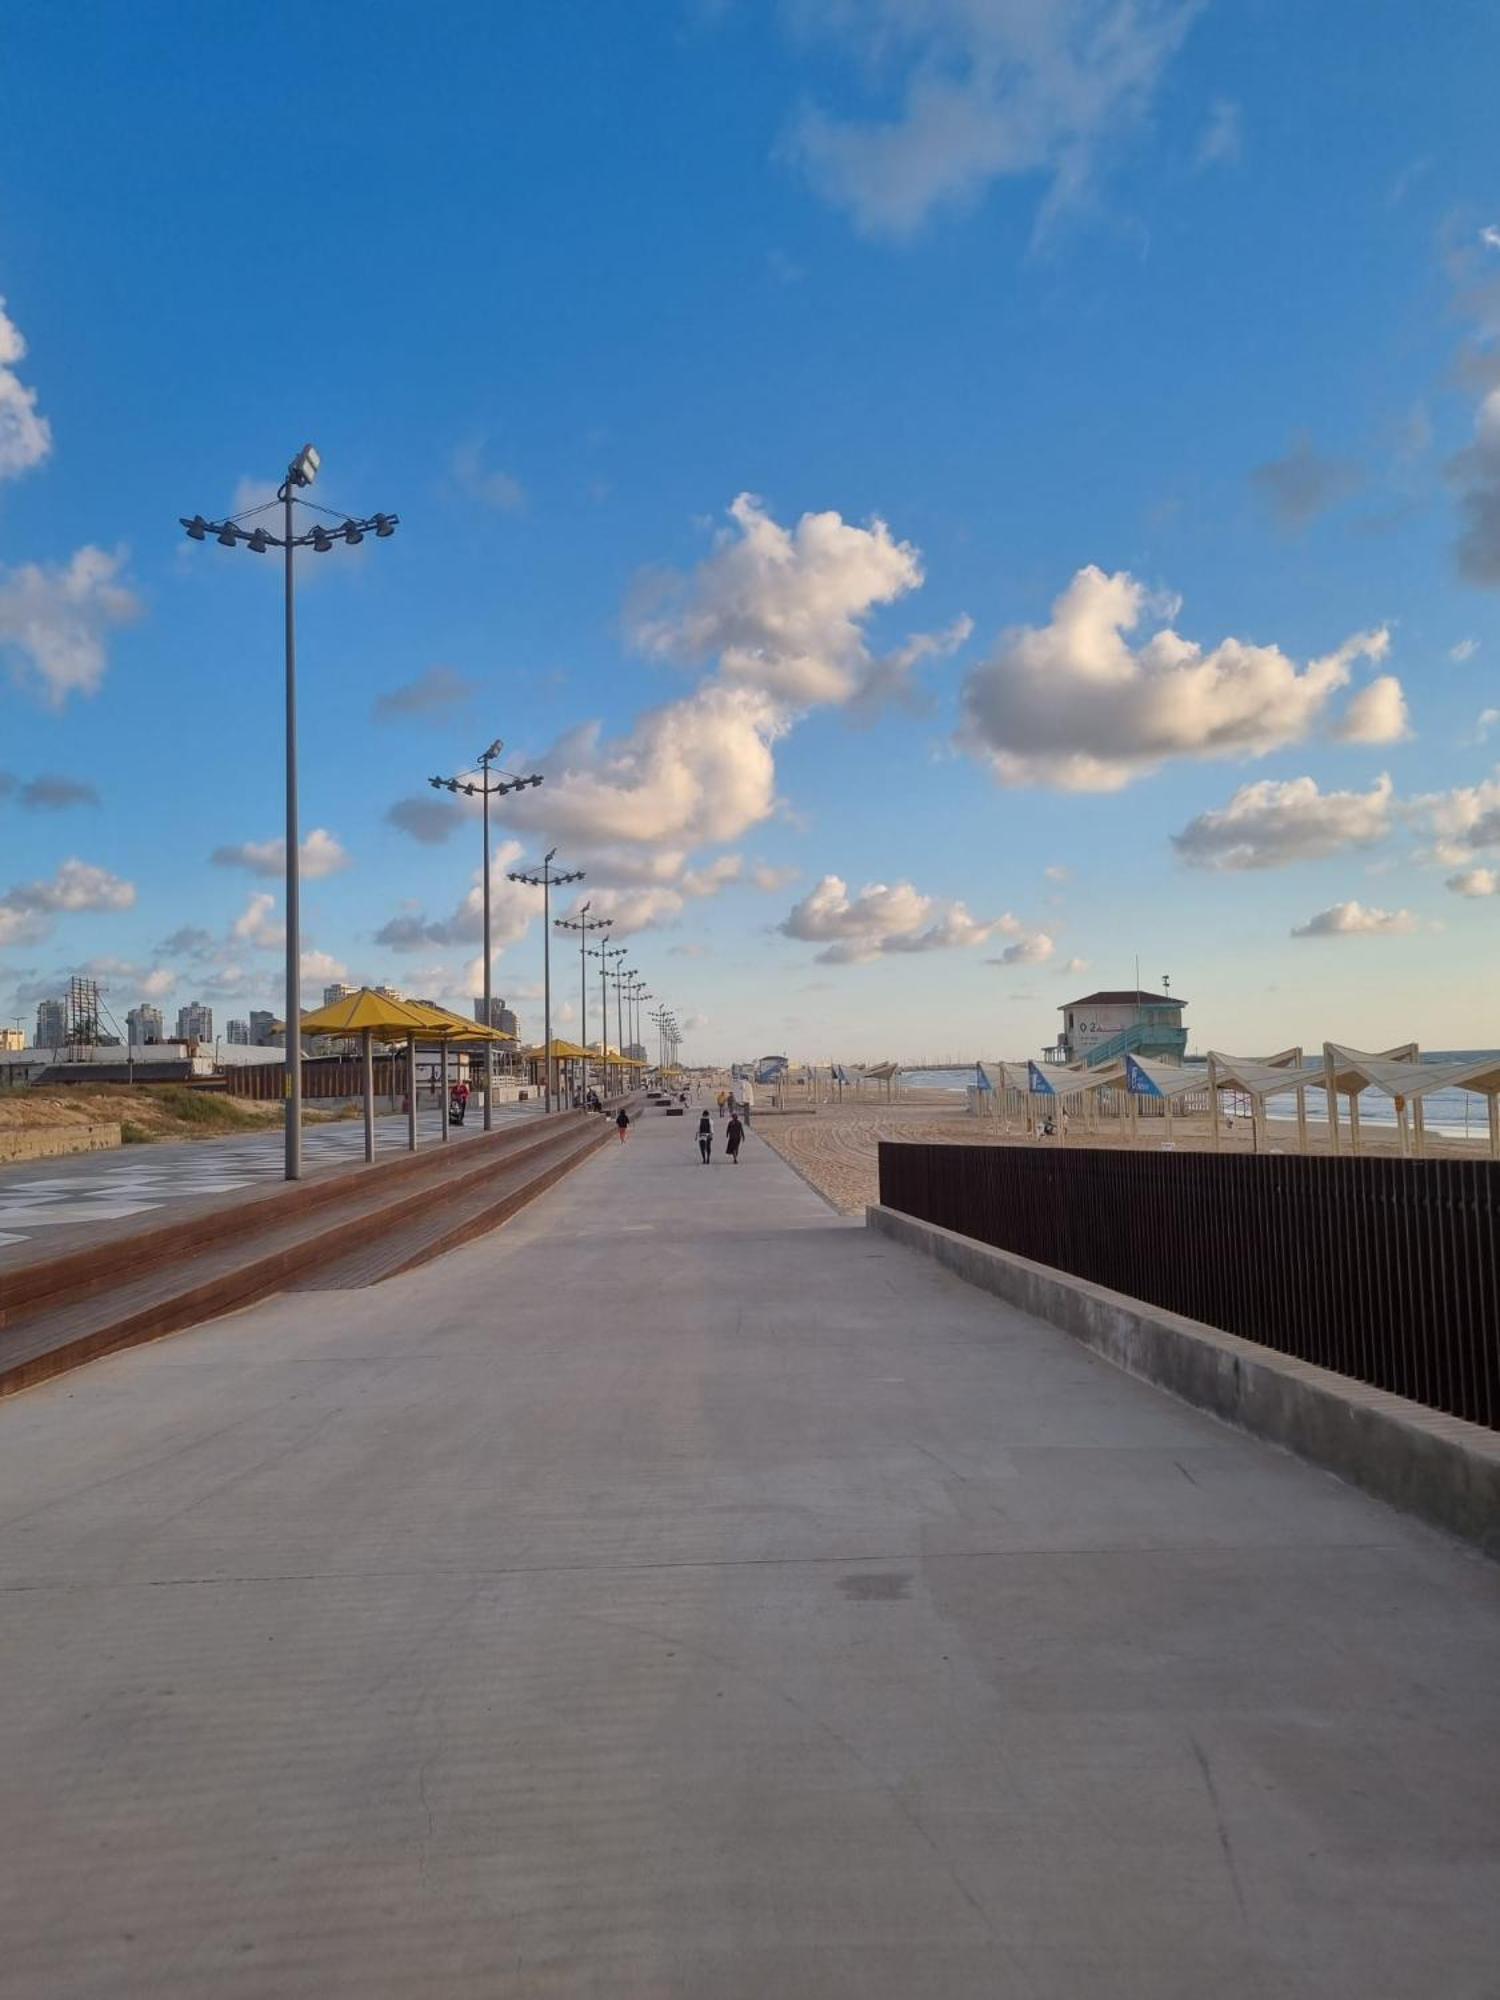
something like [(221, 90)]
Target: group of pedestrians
[(734, 1138)]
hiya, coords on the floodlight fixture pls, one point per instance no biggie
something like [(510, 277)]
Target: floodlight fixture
[(304, 467)]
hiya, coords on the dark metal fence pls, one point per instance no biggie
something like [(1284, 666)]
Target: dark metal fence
[(1387, 1270), (324, 1077)]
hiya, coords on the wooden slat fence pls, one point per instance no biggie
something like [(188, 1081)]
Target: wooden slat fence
[(1384, 1269)]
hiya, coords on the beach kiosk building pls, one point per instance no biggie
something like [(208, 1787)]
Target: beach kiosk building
[(1107, 1026)]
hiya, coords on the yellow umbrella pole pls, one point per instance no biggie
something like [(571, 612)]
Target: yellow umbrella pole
[(411, 1093), (443, 1093)]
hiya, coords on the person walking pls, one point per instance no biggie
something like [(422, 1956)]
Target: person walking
[(622, 1124), (747, 1100), (734, 1133), (705, 1138)]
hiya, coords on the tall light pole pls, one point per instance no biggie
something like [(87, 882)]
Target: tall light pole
[(606, 973), (641, 997), (622, 974), (583, 923), (302, 471), (543, 878), (638, 994), (487, 790)]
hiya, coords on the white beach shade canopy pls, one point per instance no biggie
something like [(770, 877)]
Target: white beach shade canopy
[(1399, 1074), (1260, 1078)]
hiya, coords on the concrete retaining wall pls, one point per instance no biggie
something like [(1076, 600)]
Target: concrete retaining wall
[(1432, 1465), (46, 1142)]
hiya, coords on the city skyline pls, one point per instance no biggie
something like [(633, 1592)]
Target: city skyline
[(934, 561)]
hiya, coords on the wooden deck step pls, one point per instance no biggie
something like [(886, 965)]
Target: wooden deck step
[(390, 1220)]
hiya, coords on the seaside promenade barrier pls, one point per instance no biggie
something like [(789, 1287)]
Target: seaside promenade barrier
[(1386, 1271)]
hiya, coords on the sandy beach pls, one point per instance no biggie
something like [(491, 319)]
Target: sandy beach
[(834, 1148)]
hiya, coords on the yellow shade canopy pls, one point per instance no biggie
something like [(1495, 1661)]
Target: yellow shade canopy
[(561, 1052), (357, 1012), (442, 1024)]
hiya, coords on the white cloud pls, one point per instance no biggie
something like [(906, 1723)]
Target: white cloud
[(1222, 139), (25, 437), (1460, 821), (1475, 882), (1074, 705), (1484, 722), (1269, 824), (1377, 714), (1355, 920), (1075, 965), (783, 610), (763, 876), (490, 486), (1489, 236), (258, 925), (1464, 650), (320, 966), (431, 693), (321, 855), (513, 905), (1034, 949), (55, 620), (1058, 871), (693, 773), (28, 911), (988, 89), (882, 919), (77, 885)]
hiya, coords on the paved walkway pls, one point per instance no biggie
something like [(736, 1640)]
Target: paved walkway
[(681, 1593), (62, 1203)]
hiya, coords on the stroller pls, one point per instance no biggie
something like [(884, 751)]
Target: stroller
[(458, 1104)]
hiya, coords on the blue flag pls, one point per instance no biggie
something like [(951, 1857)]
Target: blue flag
[(1039, 1084), (1136, 1080)]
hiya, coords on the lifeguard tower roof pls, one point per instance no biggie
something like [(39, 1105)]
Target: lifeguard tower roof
[(1127, 997)]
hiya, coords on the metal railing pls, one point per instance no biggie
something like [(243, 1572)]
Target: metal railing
[(1386, 1270)]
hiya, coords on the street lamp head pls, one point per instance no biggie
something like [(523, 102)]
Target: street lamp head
[(258, 543), (488, 756), (354, 534), (384, 524), (322, 541), (436, 784), (229, 534), (197, 528), (303, 469)]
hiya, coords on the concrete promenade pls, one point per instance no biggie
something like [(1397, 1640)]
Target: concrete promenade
[(683, 1593)]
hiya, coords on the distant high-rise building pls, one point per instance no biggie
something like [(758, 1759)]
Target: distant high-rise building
[(51, 1024), (636, 1051), (262, 1029), (390, 992), (195, 1022), (143, 1025), (501, 1016), (12, 1040), (239, 1031), (338, 991)]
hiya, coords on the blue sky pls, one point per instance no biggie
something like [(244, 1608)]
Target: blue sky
[(1181, 318)]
